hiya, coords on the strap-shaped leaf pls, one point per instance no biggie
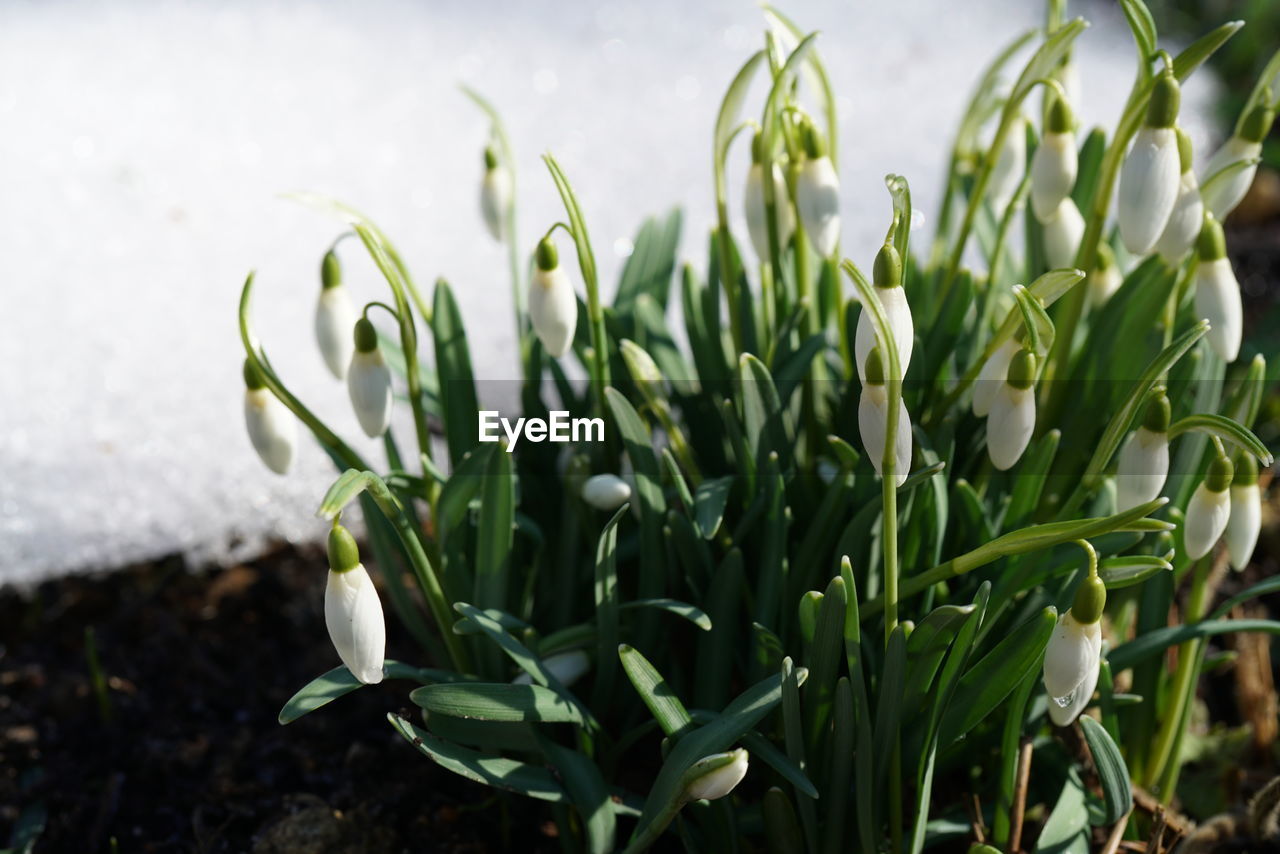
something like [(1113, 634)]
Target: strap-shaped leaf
[(692, 613), (1113, 774), (497, 701), (656, 692), (1126, 571), (709, 502), (338, 682), (1227, 430), (457, 384), (1155, 642)]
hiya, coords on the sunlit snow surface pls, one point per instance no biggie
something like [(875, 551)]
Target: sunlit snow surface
[(143, 145)]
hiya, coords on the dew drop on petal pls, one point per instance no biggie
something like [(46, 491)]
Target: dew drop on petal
[(1063, 702)]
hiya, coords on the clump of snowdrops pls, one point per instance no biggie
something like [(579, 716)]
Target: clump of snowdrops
[(853, 550)]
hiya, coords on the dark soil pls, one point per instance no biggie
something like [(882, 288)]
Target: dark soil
[(187, 754)]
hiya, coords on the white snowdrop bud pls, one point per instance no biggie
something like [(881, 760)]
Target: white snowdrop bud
[(1221, 196), (1208, 509), (887, 276), (1246, 513), (1062, 233), (1011, 165), (271, 426), (1074, 653), (1012, 418), (369, 382), (352, 610), (716, 775), (754, 205), (495, 195), (566, 667), (1143, 463), (1053, 166), (1150, 176), (334, 317), (1188, 210), (1105, 279), (818, 194), (1218, 293), (992, 375), (606, 491), (553, 306), (873, 421)]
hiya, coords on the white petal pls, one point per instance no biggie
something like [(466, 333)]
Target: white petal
[(1222, 196), (1011, 165), (272, 429), (873, 422), (353, 613), (1218, 301), (566, 667), (1062, 233), (553, 310), (1149, 182), (992, 377), (1010, 424), (1053, 173), (1206, 519), (1185, 221), (818, 198), (1072, 653), (1065, 715), (754, 209), (606, 491), (898, 312), (720, 782), (495, 200), (369, 386), (1141, 469), (335, 318), (1244, 524)]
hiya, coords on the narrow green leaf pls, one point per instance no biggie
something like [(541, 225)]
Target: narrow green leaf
[(656, 692), (495, 533), (327, 687), (1227, 430), (689, 612), (709, 502), (1117, 792), (496, 701), (453, 369), (1120, 572)]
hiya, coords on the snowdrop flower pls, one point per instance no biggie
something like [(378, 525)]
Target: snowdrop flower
[(1105, 279), (1062, 232), (1188, 210), (818, 193), (1209, 508), (1013, 412), (715, 776), (754, 205), (334, 317), (495, 195), (1222, 196), (887, 277), (1011, 165), (553, 306), (1072, 658), (1246, 513), (272, 429), (566, 667), (1150, 176), (606, 491), (1218, 293), (369, 382), (1053, 166), (992, 375), (873, 421), (1143, 462), (352, 610)]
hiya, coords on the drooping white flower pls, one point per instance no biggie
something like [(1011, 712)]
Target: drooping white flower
[(715, 776), (818, 193), (606, 491), (334, 318), (1105, 278), (753, 204), (1188, 210), (369, 382), (1062, 233), (1246, 513), (566, 667), (1150, 176), (992, 375), (273, 431), (1012, 418), (1010, 166), (873, 421), (1143, 462), (553, 306), (1208, 509), (353, 611), (495, 195), (1071, 662), (1221, 196), (887, 277), (1054, 165), (1218, 293)]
